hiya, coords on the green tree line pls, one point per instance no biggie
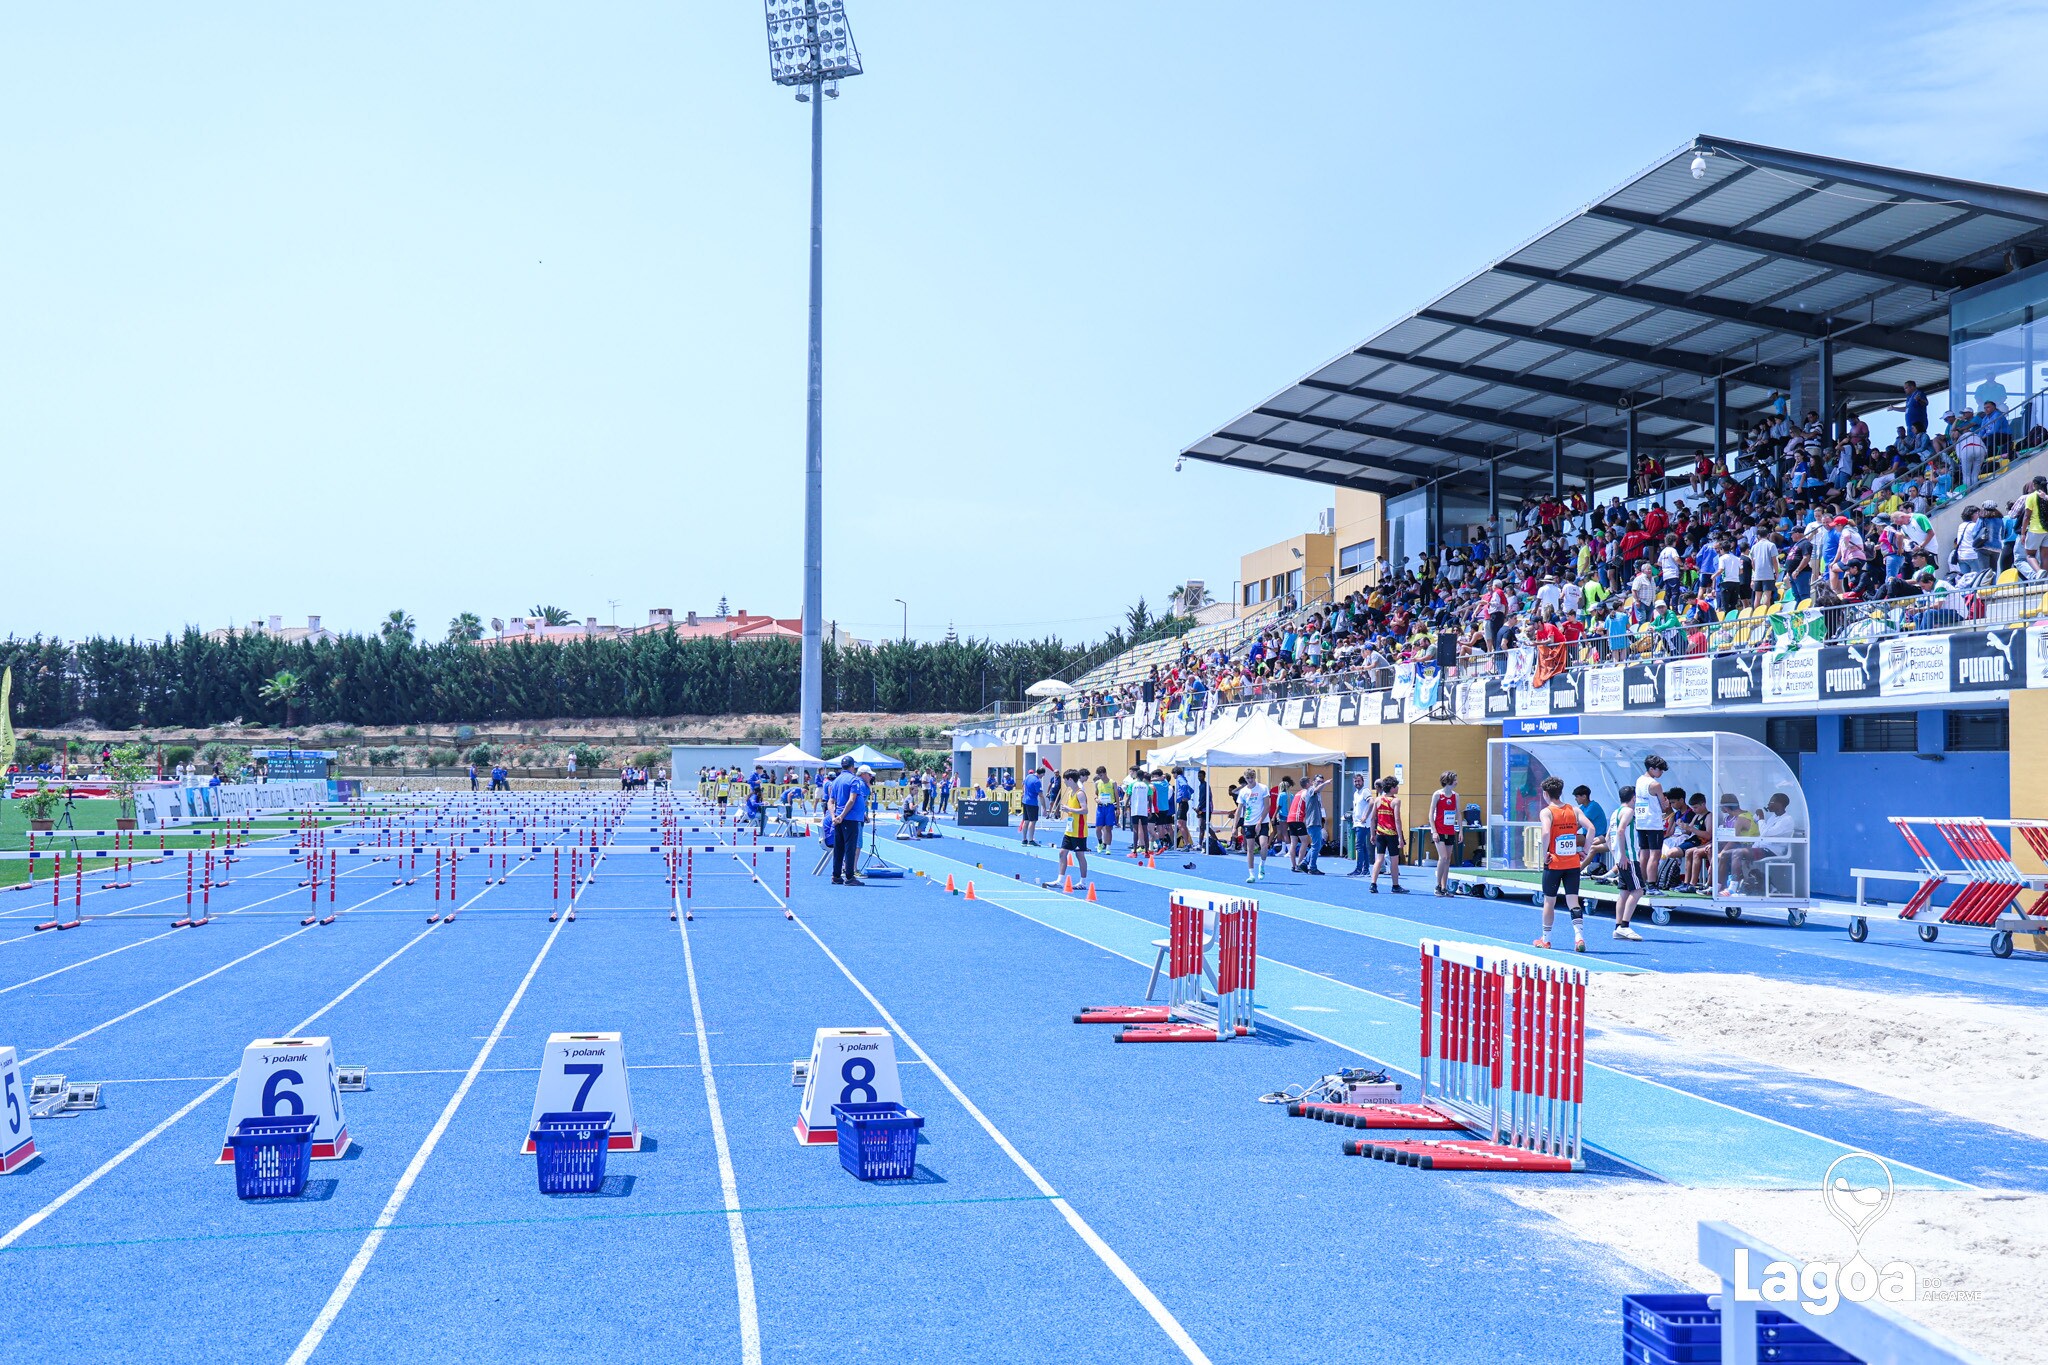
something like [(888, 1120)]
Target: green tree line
[(391, 679)]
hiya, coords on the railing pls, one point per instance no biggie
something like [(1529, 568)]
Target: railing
[(1951, 610)]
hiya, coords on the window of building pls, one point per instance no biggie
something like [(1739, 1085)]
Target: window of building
[(1357, 558), (1886, 732), (1978, 732), (1793, 734)]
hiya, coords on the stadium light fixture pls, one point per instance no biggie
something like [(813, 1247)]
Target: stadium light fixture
[(810, 48)]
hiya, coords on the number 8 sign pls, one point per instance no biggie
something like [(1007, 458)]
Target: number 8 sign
[(291, 1077), (17, 1145), (580, 1071), (848, 1066)]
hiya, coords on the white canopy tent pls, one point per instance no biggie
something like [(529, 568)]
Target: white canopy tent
[(1260, 742), (1195, 748), (1049, 687), (789, 756)]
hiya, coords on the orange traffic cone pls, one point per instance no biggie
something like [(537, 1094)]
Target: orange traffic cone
[(1149, 861), (1091, 891), (949, 883), (970, 890), (1067, 885)]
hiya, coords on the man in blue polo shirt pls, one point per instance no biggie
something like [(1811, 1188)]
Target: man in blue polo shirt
[(1034, 792), (846, 806)]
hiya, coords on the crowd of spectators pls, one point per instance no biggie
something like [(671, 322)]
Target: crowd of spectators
[(1795, 519)]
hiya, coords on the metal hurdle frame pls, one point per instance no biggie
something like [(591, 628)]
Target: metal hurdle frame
[(1503, 1046), (1992, 885)]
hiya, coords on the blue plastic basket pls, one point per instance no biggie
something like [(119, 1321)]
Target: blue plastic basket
[(570, 1149), (877, 1141), (1681, 1329), (272, 1157)]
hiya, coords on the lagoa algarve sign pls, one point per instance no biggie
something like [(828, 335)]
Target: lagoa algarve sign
[(1857, 1190)]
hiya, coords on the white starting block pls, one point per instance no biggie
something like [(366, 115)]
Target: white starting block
[(294, 1078), (581, 1071), (347, 1078), (54, 1096), (847, 1066), (17, 1141)]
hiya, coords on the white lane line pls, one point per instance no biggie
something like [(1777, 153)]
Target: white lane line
[(111, 914), (337, 1300), (1139, 1290), (153, 1134), (175, 990), (736, 1228), (132, 1148), (59, 971)]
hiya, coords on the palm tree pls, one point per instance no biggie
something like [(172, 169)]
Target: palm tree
[(398, 626), (283, 689), (467, 628), (552, 616)]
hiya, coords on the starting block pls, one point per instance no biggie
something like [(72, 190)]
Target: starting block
[(847, 1066), (17, 1138), (580, 1071), (347, 1078), (1196, 922), (290, 1078), (1503, 1049), (52, 1096)]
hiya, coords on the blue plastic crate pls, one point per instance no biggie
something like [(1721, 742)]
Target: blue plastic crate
[(272, 1157), (1682, 1329), (569, 1150), (877, 1141)]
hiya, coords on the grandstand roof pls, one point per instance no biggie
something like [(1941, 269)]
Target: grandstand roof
[(1640, 300)]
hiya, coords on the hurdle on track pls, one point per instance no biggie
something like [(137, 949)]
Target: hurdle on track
[(1503, 1054), (1196, 922)]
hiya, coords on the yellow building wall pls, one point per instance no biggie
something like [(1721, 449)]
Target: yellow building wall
[(1360, 517), (1314, 555)]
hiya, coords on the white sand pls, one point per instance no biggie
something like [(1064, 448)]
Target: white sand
[(1988, 1252), (1983, 1061)]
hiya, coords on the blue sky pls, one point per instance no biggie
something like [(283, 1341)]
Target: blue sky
[(468, 307)]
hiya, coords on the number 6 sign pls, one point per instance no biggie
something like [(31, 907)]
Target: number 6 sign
[(581, 1071), (848, 1066), (291, 1077), (16, 1143)]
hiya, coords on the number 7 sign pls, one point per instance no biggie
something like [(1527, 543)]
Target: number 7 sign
[(580, 1071)]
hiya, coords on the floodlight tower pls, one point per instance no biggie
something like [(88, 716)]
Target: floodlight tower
[(810, 47)]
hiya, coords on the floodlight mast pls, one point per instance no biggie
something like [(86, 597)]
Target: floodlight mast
[(810, 47)]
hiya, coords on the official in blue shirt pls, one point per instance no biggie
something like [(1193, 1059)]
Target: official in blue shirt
[(1597, 817), (1034, 792), (846, 805)]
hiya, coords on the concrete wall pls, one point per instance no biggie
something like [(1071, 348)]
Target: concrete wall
[(685, 759)]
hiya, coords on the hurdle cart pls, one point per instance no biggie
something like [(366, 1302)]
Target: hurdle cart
[(1990, 886)]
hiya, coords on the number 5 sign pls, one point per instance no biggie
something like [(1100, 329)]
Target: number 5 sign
[(16, 1145), (581, 1071), (848, 1066), (291, 1078)]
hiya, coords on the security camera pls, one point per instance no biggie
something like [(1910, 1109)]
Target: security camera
[(1180, 462), (1699, 166)]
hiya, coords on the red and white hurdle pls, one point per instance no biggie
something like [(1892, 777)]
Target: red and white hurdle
[(1503, 1054), (1196, 922)]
